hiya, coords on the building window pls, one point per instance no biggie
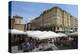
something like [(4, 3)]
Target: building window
[(57, 28)]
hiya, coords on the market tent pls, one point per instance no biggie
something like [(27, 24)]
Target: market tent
[(15, 31), (34, 34), (62, 34), (42, 34), (73, 34)]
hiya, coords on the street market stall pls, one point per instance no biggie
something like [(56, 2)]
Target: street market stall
[(73, 37), (43, 34), (16, 36), (44, 37), (39, 40)]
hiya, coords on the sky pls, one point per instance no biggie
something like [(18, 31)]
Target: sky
[(30, 10)]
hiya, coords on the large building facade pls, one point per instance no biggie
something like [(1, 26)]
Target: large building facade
[(16, 23), (55, 19)]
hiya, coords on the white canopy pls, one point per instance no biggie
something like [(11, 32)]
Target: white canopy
[(15, 31), (73, 34), (62, 34), (43, 34)]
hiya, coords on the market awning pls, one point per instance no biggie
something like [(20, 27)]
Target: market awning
[(63, 34), (43, 34), (15, 31), (73, 34)]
